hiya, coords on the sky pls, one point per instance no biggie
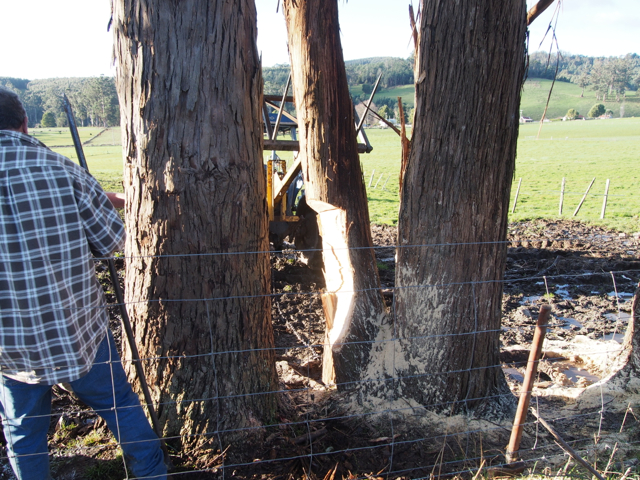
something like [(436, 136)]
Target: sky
[(69, 38)]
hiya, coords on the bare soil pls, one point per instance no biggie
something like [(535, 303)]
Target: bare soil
[(586, 273)]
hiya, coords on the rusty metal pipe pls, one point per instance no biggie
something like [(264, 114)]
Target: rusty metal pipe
[(527, 385)]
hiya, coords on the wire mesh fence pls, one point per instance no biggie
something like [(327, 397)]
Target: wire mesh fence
[(368, 428)]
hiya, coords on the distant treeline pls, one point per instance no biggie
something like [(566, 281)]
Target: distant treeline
[(608, 77), (96, 104), (94, 100), (394, 71)]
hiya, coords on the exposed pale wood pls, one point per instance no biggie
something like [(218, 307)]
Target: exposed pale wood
[(190, 88), (334, 186)]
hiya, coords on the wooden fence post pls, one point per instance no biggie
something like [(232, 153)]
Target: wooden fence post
[(561, 196), (515, 200), (385, 182), (584, 197), (604, 202), (376, 185)]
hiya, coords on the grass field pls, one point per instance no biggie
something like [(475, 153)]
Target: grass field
[(534, 99), (578, 151), (567, 95), (404, 91)]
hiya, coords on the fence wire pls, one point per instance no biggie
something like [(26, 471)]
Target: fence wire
[(312, 435)]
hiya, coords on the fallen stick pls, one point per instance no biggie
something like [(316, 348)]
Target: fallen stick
[(565, 446)]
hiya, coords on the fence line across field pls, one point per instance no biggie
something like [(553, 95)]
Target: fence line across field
[(562, 193), (392, 445)]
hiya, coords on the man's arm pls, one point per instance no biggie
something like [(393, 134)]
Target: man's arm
[(117, 199)]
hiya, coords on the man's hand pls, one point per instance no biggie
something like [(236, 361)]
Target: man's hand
[(117, 199)]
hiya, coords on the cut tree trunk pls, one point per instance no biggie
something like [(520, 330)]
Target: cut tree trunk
[(627, 379), (190, 89), (453, 217), (334, 187)]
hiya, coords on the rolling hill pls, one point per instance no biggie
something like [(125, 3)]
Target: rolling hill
[(534, 98)]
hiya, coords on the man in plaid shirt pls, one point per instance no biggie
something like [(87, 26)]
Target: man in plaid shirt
[(53, 216)]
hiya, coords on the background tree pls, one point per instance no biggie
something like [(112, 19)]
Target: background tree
[(572, 113), (61, 120), (190, 98), (597, 110), (583, 80), (455, 195), (622, 71), (48, 120), (600, 77)]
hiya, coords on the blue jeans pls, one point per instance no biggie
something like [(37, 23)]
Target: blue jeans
[(26, 411)]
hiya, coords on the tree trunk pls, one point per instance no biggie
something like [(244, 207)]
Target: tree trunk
[(190, 89), (334, 187), (453, 217), (628, 377)]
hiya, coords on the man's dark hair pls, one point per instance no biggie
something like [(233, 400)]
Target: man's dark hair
[(11, 110)]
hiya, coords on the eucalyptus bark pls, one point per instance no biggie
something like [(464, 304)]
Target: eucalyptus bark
[(334, 187), (453, 216), (190, 89)]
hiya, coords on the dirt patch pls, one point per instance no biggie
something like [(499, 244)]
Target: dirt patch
[(586, 273)]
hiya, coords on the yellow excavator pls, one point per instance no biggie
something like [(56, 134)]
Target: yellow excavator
[(289, 214)]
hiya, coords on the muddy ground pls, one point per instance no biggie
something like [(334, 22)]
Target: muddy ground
[(566, 264)]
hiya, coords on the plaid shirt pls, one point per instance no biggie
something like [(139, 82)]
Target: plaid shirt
[(53, 215)]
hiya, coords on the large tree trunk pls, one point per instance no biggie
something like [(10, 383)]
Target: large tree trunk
[(190, 89), (453, 216), (334, 186)]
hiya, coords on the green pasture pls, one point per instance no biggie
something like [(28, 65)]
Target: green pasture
[(578, 151), (535, 93), (407, 92), (101, 147), (404, 91), (567, 95)]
